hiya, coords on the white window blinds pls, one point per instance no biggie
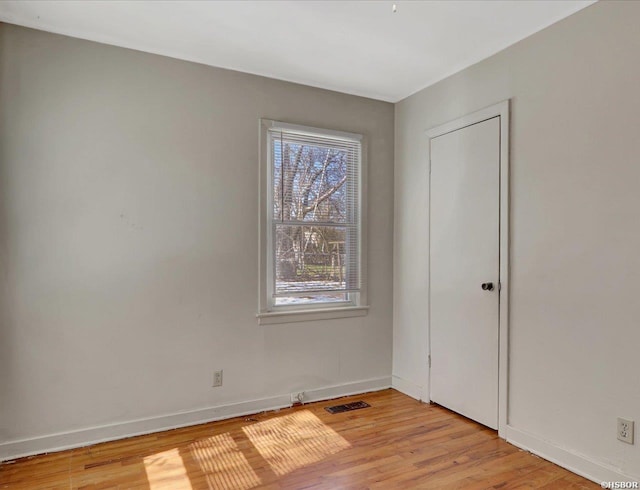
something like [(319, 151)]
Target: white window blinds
[(315, 220)]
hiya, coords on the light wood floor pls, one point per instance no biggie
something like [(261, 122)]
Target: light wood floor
[(397, 443)]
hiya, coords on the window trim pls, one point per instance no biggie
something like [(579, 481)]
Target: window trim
[(267, 312)]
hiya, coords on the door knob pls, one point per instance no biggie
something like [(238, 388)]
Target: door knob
[(487, 286)]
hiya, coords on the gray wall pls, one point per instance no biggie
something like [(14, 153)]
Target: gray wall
[(129, 238), (575, 241)]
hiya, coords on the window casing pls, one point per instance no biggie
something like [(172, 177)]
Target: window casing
[(311, 220)]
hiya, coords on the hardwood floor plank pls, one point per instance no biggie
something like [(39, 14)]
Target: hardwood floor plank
[(396, 443)]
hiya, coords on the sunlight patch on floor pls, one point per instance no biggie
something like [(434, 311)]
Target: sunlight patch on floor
[(166, 470), (294, 441), (223, 464)]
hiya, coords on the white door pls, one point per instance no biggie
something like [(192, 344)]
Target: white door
[(464, 270)]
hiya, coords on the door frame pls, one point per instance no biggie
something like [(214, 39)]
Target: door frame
[(500, 109)]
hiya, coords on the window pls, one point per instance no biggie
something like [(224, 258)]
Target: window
[(311, 220)]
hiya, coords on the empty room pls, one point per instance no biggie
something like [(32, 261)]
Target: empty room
[(323, 244)]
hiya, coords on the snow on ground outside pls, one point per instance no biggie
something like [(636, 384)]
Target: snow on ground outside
[(315, 297)]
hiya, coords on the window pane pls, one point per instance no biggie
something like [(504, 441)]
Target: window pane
[(314, 221), (309, 181), (311, 259)]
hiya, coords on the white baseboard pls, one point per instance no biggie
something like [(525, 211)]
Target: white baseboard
[(572, 461), (408, 388), (93, 435), (347, 389)]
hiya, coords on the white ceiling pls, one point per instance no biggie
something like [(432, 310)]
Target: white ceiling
[(357, 47)]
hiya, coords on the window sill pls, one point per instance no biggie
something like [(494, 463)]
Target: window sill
[(291, 316)]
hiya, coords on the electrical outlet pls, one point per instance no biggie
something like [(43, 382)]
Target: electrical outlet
[(217, 378), (625, 430), (297, 398)]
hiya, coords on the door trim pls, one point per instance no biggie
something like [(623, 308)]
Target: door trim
[(501, 110)]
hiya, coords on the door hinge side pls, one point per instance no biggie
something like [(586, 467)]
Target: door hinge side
[(429, 360)]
